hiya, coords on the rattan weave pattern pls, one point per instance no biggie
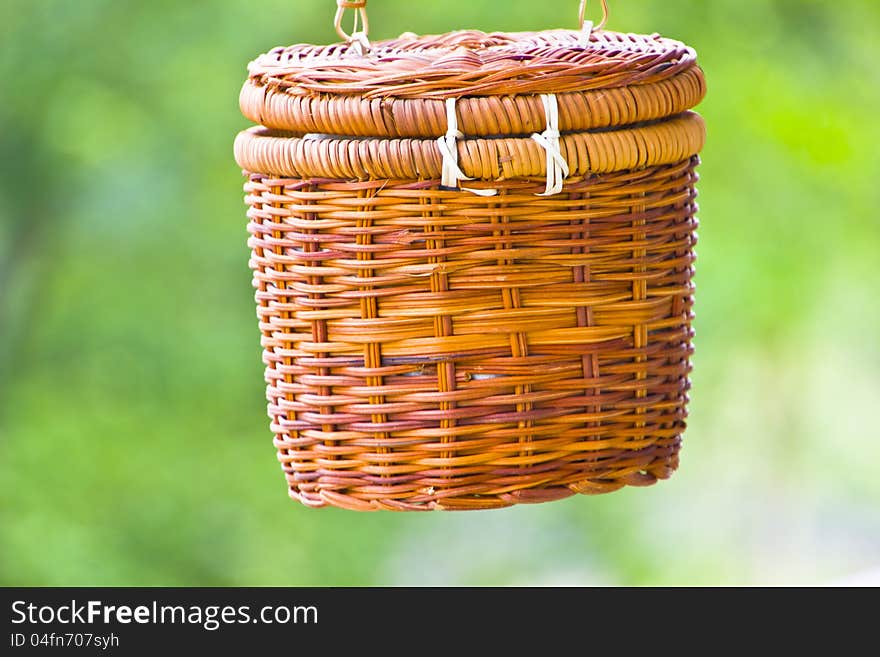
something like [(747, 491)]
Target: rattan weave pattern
[(432, 349)]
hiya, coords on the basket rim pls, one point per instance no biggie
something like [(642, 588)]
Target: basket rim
[(516, 114), (262, 150)]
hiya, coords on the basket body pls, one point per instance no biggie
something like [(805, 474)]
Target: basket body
[(431, 348)]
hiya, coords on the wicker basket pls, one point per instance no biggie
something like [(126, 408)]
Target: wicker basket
[(473, 257)]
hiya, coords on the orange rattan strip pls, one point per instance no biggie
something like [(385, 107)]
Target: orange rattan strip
[(662, 142), (430, 349), (291, 109), (473, 63)]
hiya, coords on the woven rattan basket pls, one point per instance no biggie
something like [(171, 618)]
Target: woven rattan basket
[(473, 257)]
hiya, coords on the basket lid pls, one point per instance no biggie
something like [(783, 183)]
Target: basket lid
[(397, 89), (471, 105)]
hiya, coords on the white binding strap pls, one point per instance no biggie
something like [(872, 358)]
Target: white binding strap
[(557, 167), (586, 31), (449, 150)]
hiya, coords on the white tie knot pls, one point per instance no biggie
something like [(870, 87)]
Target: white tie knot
[(451, 172), (557, 167), (360, 43)]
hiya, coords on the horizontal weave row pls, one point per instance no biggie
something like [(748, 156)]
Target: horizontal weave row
[(283, 154), (293, 109)]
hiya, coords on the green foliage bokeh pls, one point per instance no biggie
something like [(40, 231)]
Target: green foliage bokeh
[(134, 446)]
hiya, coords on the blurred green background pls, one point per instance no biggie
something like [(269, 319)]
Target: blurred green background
[(134, 445)]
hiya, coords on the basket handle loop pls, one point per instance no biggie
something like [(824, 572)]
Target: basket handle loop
[(587, 27), (360, 40), (358, 37), (582, 14)]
